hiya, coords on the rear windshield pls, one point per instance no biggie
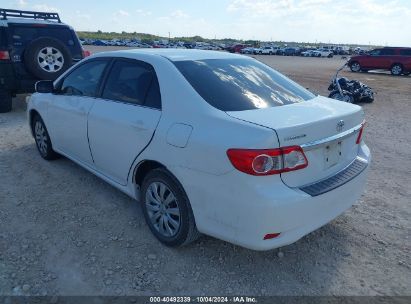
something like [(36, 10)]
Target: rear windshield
[(241, 84), (24, 34), (3, 41)]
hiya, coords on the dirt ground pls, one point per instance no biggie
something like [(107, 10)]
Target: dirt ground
[(64, 231)]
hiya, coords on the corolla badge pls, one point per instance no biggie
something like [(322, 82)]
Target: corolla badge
[(340, 125)]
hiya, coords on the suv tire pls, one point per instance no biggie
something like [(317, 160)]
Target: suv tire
[(47, 58), (355, 67), (396, 69), (5, 101)]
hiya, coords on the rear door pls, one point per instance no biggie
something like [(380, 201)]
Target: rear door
[(124, 118), (387, 58)]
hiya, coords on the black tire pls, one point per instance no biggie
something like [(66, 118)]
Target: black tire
[(355, 66), (187, 231), (59, 54), (5, 101), (42, 138), (396, 69)]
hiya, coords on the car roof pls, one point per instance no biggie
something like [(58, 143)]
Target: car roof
[(172, 54)]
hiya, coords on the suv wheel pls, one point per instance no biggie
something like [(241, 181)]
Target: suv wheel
[(355, 67), (5, 101), (167, 209), (47, 58), (396, 69)]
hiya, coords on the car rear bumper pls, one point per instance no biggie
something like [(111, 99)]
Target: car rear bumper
[(242, 209)]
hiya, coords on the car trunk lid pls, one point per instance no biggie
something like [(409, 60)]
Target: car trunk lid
[(326, 129)]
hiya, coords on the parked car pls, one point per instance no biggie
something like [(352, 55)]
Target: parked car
[(308, 53), (247, 50), (236, 48), (323, 53), (268, 50), (203, 154), (33, 46), (290, 52), (280, 51), (395, 60)]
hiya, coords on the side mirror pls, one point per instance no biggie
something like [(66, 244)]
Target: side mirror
[(44, 86)]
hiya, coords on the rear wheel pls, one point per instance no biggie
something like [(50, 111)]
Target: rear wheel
[(396, 69), (5, 101), (167, 209), (355, 67)]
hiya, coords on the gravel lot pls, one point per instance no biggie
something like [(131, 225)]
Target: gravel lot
[(63, 231)]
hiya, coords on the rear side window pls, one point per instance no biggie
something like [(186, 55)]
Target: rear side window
[(405, 52), (133, 82), (387, 52), (22, 35), (241, 84), (84, 80)]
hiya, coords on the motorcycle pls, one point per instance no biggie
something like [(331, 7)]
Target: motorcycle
[(351, 91)]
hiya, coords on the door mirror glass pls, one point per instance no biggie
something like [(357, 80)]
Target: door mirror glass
[(44, 86)]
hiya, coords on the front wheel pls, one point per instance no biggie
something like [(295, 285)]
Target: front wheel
[(5, 101), (167, 209), (344, 97), (42, 138), (355, 67)]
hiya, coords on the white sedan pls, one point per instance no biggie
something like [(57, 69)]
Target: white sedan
[(323, 53), (208, 142)]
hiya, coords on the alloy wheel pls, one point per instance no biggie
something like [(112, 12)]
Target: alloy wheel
[(355, 67), (41, 137), (163, 209), (396, 70), (50, 59)]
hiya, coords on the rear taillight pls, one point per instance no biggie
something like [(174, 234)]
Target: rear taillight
[(359, 137), (85, 53), (268, 161), (4, 55)]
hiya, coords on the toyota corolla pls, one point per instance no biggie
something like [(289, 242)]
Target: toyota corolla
[(208, 142)]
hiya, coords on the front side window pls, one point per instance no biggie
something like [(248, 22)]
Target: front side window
[(133, 82), (241, 84), (84, 80), (375, 52)]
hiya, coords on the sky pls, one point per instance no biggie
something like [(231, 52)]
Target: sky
[(375, 22)]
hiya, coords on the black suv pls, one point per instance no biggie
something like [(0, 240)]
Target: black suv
[(33, 46)]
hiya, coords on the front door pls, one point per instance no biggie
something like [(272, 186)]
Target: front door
[(69, 109)]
